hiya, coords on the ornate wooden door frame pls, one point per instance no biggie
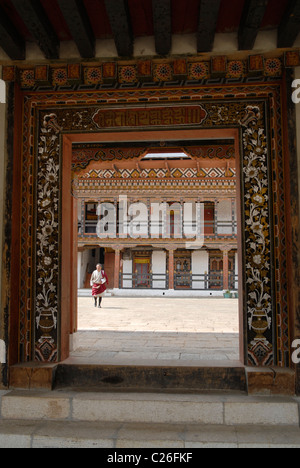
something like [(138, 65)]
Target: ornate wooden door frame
[(51, 121)]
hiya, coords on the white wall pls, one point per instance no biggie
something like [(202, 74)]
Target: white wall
[(85, 261), (82, 264), (2, 92), (182, 44), (127, 270), (236, 286), (199, 267), (224, 217), (159, 259)]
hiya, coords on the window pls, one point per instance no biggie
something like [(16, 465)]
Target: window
[(91, 218), (166, 155)]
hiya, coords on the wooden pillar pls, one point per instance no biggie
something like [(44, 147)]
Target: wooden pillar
[(74, 264), (216, 227), (225, 251), (117, 268), (171, 267), (233, 216)]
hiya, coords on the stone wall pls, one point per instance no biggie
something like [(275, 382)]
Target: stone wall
[(2, 186)]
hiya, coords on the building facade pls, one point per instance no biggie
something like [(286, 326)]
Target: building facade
[(174, 227), (85, 105)]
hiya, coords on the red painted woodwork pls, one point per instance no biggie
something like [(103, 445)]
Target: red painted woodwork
[(209, 219), (67, 313), (109, 266)]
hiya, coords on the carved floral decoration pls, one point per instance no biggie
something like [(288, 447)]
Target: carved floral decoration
[(257, 237)]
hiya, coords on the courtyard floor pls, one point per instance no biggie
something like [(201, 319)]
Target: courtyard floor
[(159, 331)]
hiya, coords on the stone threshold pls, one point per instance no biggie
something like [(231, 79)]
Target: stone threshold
[(154, 378)]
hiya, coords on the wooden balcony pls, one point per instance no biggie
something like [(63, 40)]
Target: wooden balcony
[(148, 234)]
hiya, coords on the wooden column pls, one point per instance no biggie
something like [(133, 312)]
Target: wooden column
[(233, 215), (74, 264), (216, 217), (225, 250), (171, 266), (117, 267)]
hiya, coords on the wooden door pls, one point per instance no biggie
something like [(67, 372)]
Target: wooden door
[(142, 273), (209, 219)]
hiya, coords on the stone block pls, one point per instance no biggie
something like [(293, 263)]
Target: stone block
[(262, 412), (143, 408), (32, 375), (17, 405), (270, 381)]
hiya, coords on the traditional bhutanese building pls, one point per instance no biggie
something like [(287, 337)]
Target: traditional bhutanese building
[(93, 92), (197, 175)]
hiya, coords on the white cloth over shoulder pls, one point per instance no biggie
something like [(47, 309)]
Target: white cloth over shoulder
[(97, 278)]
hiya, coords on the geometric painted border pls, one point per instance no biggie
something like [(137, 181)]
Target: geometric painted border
[(146, 71)]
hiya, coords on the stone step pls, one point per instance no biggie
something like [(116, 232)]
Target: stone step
[(114, 436), (150, 408), (143, 378)]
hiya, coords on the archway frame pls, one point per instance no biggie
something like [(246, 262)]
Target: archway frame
[(48, 122), (70, 239)]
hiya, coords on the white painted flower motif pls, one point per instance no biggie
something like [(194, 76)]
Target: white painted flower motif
[(257, 259), (257, 228), (259, 199), (251, 172), (45, 203), (47, 230)]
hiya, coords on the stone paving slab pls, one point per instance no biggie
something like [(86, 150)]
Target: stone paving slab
[(70, 434), (80, 420), (157, 329), (213, 408)]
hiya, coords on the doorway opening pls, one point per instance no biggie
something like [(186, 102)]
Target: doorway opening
[(165, 301)]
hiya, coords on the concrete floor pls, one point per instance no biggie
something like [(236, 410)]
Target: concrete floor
[(166, 331)]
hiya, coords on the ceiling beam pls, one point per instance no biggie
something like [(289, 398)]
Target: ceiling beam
[(252, 16), (79, 25), (208, 17), (119, 18), (10, 40), (289, 27), (162, 26), (38, 24)]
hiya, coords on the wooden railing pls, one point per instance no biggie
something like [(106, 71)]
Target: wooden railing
[(186, 280)]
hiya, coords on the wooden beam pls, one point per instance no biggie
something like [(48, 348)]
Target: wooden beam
[(79, 25), (252, 16), (10, 40), (208, 17), (289, 27), (37, 22), (162, 26), (119, 18)]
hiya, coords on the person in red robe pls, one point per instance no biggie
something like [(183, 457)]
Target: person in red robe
[(99, 283)]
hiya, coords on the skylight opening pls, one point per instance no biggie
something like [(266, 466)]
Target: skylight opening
[(164, 155)]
